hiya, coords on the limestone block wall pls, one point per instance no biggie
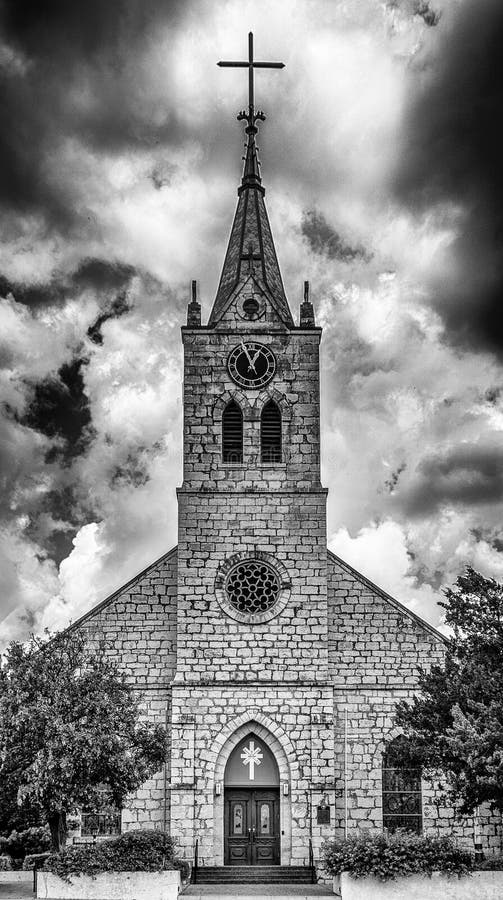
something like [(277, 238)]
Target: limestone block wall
[(138, 624), (375, 650), (208, 386), (289, 528), (208, 723), (363, 725), (372, 639), (136, 627)]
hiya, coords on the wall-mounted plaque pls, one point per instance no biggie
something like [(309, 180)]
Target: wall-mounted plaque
[(323, 815)]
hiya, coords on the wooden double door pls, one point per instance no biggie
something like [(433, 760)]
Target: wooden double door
[(251, 827)]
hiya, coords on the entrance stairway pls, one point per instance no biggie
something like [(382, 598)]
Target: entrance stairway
[(255, 875)]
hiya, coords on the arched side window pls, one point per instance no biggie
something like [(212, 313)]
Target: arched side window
[(270, 433), (232, 433), (401, 789)]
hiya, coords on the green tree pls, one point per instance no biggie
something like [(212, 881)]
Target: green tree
[(69, 724), (456, 724)]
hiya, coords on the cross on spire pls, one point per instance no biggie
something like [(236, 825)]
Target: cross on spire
[(251, 64), (251, 257)]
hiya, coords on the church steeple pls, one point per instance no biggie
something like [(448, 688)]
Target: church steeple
[(251, 250), (251, 170)]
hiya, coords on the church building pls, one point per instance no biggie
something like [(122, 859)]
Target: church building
[(275, 666)]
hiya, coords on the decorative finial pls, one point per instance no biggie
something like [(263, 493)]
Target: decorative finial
[(194, 308), (306, 310), (251, 171)]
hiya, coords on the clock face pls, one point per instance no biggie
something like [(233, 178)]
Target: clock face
[(251, 365)]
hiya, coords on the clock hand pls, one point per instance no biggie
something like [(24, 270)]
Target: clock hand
[(254, 360), (250, 360)]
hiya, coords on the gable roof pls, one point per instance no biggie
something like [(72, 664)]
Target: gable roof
[(340, 562), (125, 587), (388, 598)]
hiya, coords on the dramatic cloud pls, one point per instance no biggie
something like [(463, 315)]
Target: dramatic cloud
[(323, 239), (119, 161), (450, 166)]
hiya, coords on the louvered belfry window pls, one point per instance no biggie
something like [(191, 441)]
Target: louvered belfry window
[(270, 433), (232, 433)]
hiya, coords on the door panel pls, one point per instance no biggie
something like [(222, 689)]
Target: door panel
[(251, 827), (237, 828), (265, 824)]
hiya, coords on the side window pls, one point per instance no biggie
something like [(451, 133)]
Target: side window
[(401, 790), (232, 433), (270, 433), (103, 819)]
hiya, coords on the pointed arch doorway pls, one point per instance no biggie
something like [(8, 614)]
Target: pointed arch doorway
[(251, 805)]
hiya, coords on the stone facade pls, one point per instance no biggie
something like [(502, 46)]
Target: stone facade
[(317, 674)]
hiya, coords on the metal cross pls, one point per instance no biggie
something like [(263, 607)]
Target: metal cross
[(251, 258), (251, 65), (252, 757)]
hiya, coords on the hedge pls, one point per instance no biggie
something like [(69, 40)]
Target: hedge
[(135, 851), (491, 864), (19, 844), (389, 856), (35, 858), (5, 863)]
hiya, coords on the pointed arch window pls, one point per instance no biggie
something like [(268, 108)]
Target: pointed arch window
[(270, 433), (401, 789), (232, 433)]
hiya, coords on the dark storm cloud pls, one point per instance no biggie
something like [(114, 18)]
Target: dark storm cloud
[(54, 522), (452, 156), (134, 470), (59, 409), (421, 8), (106, 278), (391, 483), (103, 275), (468, 475), (90, 47), (324, 240), (34, 295), (117, 308)]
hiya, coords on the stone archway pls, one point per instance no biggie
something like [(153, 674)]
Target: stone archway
[(283, 752)]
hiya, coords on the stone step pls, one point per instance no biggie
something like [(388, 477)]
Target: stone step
[(254, 875), (258, 891)]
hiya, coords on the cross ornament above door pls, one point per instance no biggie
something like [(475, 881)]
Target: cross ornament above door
[(252, 756)]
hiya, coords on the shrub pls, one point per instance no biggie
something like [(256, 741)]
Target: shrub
[(135, 851), (389, 856), (5, 863), (22, 843), (35, 858), (491, 864)]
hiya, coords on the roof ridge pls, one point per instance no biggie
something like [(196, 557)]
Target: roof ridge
[(392, 600), (124, 587)]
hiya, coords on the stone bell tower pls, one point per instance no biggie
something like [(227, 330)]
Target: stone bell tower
[(252, 555)]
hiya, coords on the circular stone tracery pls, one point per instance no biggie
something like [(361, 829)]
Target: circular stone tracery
[(252, 587)]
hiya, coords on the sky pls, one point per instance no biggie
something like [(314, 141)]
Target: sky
[(120, 155)]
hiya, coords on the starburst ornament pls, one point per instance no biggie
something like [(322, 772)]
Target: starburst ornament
[(252, 757)]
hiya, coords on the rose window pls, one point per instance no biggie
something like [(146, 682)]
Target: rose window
[(252, 587)]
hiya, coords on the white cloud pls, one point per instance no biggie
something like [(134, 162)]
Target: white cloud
[(393, 390), (380, 552)]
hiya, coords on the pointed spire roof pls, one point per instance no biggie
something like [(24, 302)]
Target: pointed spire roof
[(251, 248)]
